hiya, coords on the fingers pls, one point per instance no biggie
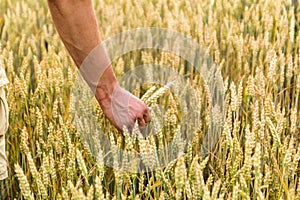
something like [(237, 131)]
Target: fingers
[(144, 118), (142, 123), (146, 115)]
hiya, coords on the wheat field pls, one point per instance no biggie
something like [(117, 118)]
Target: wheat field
[(255, 44)]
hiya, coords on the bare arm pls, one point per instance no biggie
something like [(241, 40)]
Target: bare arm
[(76, 23), (77, 26)]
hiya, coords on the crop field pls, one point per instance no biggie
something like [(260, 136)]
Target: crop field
[(254, 153)]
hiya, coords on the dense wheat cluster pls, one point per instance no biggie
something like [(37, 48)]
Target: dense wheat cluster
[(256, 45)]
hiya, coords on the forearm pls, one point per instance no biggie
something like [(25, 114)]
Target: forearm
[(77, 26), (76, 23)]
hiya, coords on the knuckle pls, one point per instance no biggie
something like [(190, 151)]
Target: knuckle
[(139, 116)]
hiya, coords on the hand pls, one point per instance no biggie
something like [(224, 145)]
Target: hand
[(120, 106)]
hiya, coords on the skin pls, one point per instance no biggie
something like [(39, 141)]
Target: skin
[(76, 23)]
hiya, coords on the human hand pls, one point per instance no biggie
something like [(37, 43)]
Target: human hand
[(120, 106)]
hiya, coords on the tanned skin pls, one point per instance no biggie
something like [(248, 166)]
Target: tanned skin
[(77, 25)]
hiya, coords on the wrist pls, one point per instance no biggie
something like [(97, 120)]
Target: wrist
[(106, 86)]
